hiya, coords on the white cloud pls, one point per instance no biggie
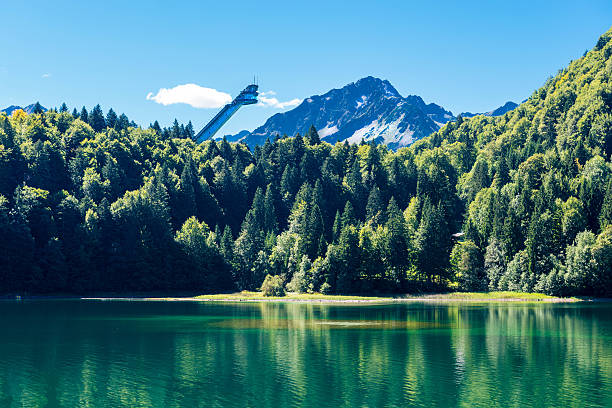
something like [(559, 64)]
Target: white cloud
[(275, 103), (45, 75), (267, 93), (191, 94)]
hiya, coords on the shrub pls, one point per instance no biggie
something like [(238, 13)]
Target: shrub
[(273, 286), (326, 288)]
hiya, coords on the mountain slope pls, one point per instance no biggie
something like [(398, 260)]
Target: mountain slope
[(370, 109), (28, 109)]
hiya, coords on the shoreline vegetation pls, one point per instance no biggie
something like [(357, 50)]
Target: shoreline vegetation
[(251, 296)]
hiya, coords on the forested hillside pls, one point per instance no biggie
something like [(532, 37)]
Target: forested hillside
[(536, 185), (94, 203)]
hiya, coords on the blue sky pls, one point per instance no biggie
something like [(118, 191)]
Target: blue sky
[(465, 56)]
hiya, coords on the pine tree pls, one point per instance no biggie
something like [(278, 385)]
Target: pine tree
[(175, 132), (356, 187), (227, 245), (288, 182), (123, 122), (206, 204), (313, 136), (38, 109), (96, 119), (396, 246), (336, 227), (84, 115), (248, 244), (258, 211), (185, 206), (270, 223), (314, 232), (309, 168), (375, 211), (297, 148), (155, 126), (373, 171), (344, 260), (502, 176), (432, 242), (189, 132), (111, 119), (348, 215)]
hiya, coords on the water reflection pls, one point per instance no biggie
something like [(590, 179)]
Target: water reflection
[(74, 353)]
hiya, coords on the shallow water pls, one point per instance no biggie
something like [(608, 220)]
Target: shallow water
[(170, 354)]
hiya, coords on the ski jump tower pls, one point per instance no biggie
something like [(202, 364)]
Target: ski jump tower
[(247, 97)]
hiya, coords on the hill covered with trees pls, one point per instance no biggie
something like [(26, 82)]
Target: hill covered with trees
[(91, 202)]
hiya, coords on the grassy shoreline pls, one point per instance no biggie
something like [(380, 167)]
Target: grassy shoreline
[(246, 296)]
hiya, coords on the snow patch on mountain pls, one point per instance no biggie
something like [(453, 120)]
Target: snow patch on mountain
[(362, 102), (327, 130)]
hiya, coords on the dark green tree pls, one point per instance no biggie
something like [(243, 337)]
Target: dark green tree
[(96, 119)]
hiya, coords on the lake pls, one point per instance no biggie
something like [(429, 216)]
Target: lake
[(56, 353)]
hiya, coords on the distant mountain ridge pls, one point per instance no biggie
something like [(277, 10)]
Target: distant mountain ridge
[(28, 109), (507, 107), (369, 109)]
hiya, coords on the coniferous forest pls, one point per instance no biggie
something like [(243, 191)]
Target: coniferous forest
[(90, 202)]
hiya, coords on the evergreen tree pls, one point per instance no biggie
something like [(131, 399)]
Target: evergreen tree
[(84, 115), (375, 210), (189, 132), (348, 215), (155, 126), (122, 123), (175, 132), (336, 227), (270, 223), (185, 206), (396, 246), (38, 109), (313, 136), (111, 119), (432, 243), (96, 119)]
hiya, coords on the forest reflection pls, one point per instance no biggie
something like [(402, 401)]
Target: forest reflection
[(284, 354)]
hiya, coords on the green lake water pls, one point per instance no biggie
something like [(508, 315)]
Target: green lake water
[(168, 354)]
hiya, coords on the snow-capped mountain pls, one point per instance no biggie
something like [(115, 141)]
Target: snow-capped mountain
[(27, 109), (370, 109)]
